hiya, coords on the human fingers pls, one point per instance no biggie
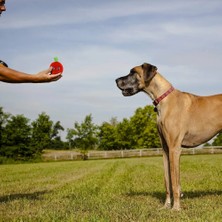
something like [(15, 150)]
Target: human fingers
[(55, 77)]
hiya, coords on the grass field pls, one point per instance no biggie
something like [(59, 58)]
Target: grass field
[(109, 190)]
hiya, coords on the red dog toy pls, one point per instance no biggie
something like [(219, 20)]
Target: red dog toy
[(57, 67)]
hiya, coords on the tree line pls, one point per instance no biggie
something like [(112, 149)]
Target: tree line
[(22, 139)]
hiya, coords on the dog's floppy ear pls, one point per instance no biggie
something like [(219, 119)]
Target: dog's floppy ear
[(149, 71)]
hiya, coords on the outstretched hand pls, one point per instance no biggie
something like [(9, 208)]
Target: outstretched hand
[(46, 76)]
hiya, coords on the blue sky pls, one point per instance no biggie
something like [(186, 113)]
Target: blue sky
[(98, 41)]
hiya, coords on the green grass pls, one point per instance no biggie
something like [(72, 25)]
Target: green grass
[(109, 190)]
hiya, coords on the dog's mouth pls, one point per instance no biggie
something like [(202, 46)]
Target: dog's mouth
[(125, 88), (129, 92)]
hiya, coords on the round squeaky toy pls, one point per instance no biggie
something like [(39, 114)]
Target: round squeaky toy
[(57, 67)]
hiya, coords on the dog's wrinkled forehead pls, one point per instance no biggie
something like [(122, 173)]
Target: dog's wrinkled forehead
[(146, 70), (137, 69)]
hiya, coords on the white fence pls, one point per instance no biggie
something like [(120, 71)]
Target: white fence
[(73, 155)]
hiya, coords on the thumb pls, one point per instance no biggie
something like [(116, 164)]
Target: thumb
[(49, 70)]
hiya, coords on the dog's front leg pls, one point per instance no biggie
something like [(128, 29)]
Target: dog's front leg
[(167, 178), (174, 154)]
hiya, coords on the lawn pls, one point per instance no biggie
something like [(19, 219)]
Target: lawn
[(109, 190)]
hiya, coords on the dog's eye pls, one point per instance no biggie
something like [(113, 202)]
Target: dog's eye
[(132, 71)]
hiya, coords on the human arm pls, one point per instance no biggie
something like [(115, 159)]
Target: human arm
[(12, 76)]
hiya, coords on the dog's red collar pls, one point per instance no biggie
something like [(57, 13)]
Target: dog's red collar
[(157, 101)]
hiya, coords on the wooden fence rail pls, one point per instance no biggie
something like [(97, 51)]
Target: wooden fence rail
[(91, 155)]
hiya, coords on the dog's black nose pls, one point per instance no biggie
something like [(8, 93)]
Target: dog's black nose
[(118, 82)]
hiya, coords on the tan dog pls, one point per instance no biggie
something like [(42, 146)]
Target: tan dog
[(183, 120)]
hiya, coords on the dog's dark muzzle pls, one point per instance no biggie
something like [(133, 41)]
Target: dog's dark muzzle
[(120, 83), (128, 84)]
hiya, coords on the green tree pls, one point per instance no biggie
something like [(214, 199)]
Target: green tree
[(144, 129), (107, 135), (3, 121), (124, 135), (16, 138), (139, 131), (115, 135), (83, 135), (218, 140), (70, 139), (56, 142), (42, 129)]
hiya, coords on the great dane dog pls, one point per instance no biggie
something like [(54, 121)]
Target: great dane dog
[(183, 120)]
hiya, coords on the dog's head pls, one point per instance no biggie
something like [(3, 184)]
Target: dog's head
[(138, 78)]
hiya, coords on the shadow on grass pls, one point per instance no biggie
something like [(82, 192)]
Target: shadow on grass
[(28, 196), (187, 194), (202, 193)]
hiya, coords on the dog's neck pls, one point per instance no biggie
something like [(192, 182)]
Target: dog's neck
[(157, 86)]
